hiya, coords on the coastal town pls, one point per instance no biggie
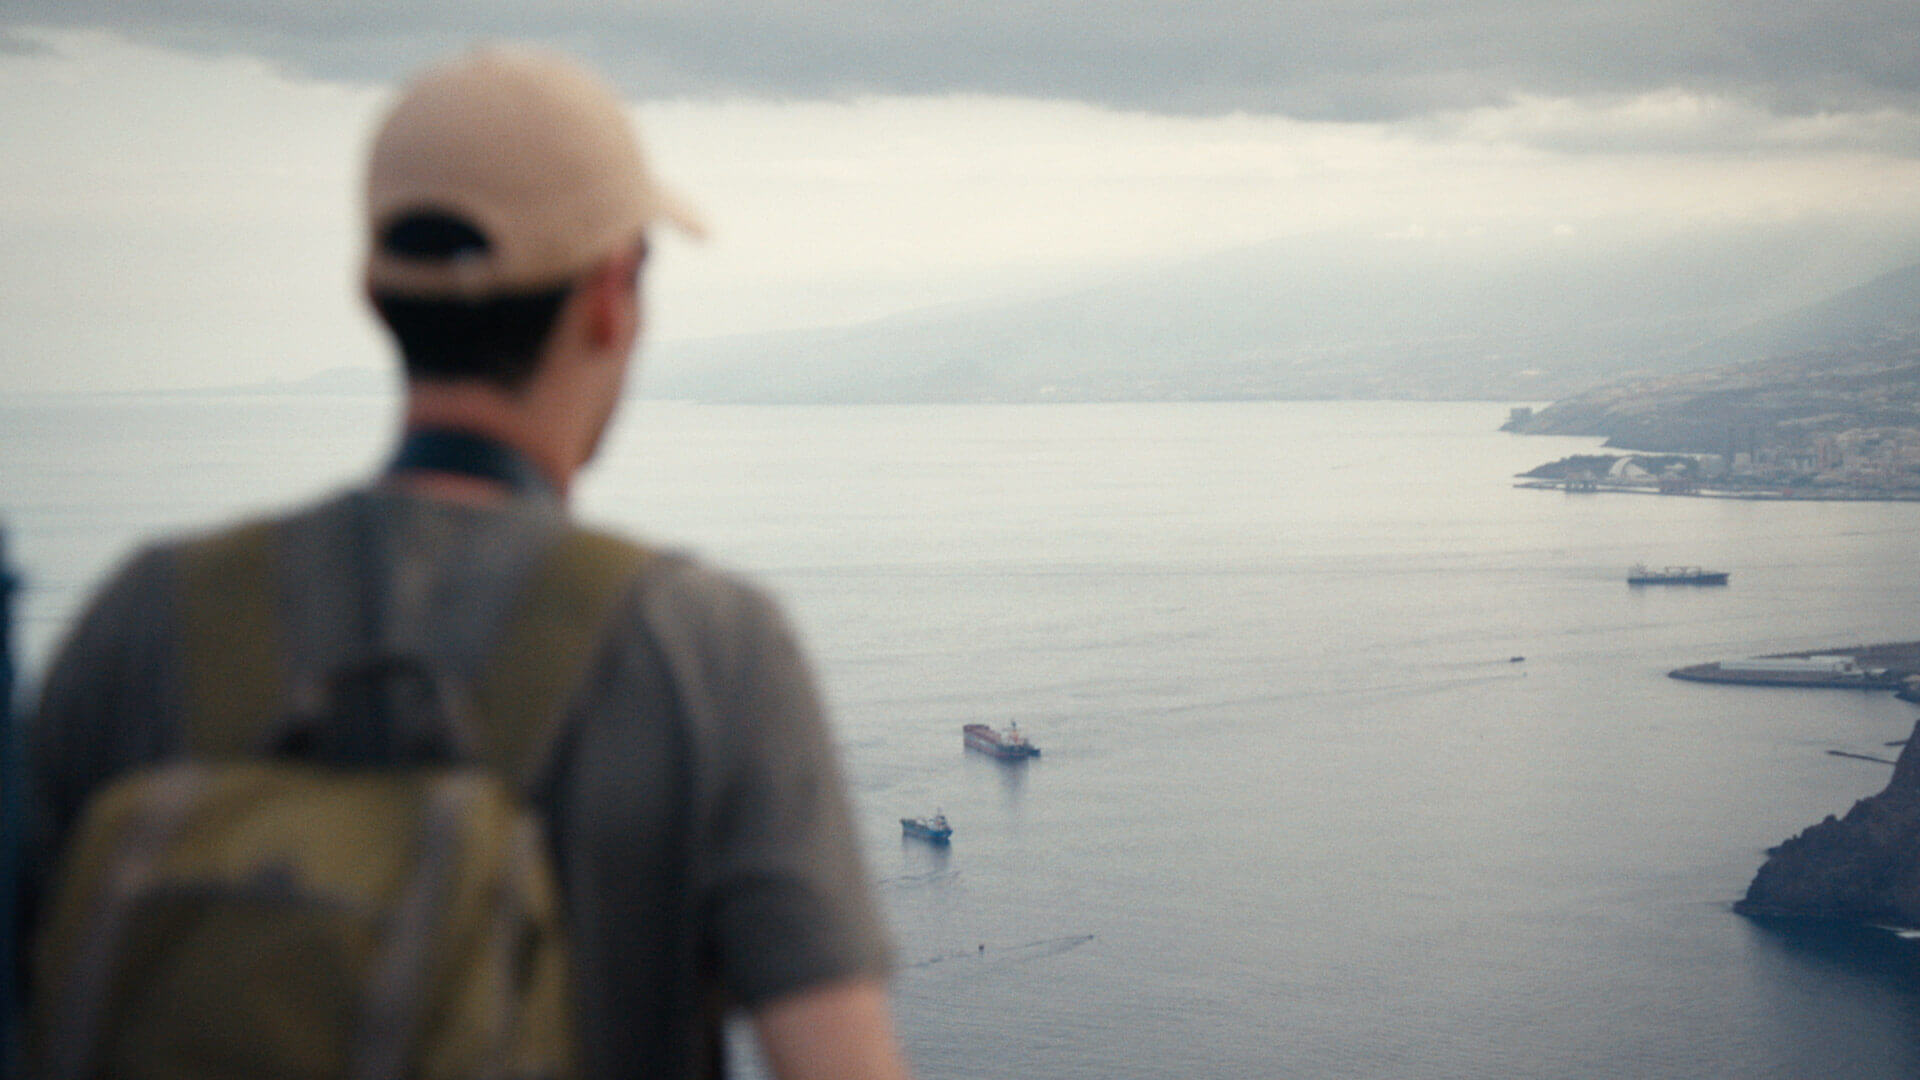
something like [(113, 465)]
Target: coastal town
[(1871, 463), (1824, 425)]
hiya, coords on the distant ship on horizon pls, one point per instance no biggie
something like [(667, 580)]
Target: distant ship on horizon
[(1641, 574)]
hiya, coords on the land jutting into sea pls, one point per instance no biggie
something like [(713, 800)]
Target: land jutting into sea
[(1824, 425), (1863, 867), (1836, 417), (1822, 404)]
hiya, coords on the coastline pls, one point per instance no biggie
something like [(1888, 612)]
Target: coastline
[(1588, 487)]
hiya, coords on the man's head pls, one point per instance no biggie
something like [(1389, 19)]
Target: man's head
[(499, 183), (507, 205)]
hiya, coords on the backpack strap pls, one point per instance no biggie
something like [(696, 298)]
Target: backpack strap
[(235, 667), (546, 646), (230, 639)]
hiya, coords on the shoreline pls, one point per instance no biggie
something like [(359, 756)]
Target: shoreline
[(1593, 487)]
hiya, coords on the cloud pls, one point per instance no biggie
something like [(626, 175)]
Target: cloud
[(1676, 122), (216, 199), (1347, 61), (12, 44)]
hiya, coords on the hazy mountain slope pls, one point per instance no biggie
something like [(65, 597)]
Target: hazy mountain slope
[(1851, 362), (1322, 317), (1885, 308), (1783, 403)]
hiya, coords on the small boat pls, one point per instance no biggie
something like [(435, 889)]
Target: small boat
[(933, 830), (1001, 744), (1642, 574)]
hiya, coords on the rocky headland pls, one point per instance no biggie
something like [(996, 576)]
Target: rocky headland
[(1864, 867)]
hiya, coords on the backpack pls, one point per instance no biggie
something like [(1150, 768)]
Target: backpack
[(270, 906)]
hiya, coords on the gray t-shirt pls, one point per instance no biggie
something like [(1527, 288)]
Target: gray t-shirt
[(699, 822)]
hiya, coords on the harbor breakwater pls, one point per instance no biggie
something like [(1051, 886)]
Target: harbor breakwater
[(1718, 672), (1886, 666)]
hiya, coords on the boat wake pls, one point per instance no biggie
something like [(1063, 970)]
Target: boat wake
[(990, 953), (914, 881)]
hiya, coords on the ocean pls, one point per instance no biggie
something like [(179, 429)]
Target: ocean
[(1358, 761)]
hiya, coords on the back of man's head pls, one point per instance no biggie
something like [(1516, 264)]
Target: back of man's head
[(497, 180)]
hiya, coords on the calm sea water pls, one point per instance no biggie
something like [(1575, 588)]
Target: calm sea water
[(1300, 812)]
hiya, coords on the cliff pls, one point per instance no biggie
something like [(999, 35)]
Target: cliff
[(1864, 867)]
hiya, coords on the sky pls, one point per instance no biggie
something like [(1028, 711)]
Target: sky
[(178, 192)]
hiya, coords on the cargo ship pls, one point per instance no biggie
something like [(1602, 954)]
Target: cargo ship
[(1675, 575), (934, 830), (1001, 744)]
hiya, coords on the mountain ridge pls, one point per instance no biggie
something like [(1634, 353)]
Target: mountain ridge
[(1850, 362), (1331, 316)]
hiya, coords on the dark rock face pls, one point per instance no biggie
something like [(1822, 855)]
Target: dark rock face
[(1864, 867)]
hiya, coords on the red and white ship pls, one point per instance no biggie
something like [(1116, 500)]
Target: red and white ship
[(1001, 744)]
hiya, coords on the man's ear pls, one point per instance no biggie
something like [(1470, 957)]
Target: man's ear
[(612, 299)]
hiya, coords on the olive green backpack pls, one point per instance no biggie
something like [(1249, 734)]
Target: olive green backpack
[(259, 910)]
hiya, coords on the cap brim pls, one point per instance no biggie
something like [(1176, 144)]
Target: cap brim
[(671, 208)]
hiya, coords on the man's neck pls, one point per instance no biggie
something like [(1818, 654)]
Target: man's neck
[(450, 487), (492, 414)]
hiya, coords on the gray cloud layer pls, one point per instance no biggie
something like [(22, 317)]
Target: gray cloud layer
[(1359, 60)]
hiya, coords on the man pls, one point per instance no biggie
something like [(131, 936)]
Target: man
[(700, 830)]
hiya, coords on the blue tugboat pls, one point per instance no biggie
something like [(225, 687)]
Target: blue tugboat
[(934, 830)]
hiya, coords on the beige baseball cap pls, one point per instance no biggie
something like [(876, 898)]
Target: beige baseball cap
[(533, 151)]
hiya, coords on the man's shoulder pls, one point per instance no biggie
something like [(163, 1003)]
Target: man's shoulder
[(168, 549), (723, 636), (681, 589), (691, 604), (141, 590)]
